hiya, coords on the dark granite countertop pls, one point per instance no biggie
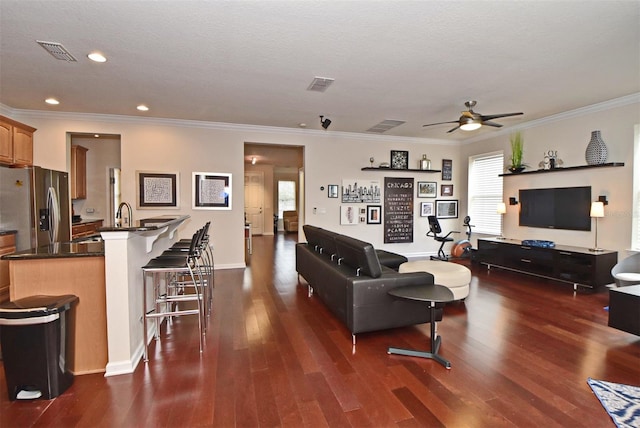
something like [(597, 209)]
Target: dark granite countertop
[(8, 232), (145, 224), (59, 250)]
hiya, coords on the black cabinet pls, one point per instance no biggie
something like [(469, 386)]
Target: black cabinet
[(575, 265)]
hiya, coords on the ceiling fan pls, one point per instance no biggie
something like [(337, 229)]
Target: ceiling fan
[(471, 120)]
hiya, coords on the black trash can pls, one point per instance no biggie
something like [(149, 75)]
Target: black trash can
[(35, 345)]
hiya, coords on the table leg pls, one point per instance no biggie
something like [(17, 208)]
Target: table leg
[(435, 344)]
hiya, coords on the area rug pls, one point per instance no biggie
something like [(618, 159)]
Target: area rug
[(622, 402)]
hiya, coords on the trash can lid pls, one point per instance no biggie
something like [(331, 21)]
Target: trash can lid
[(36, 306)]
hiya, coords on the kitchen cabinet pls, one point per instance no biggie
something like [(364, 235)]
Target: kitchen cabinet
[(16, 142), (78, 172), (7, 246), (86, 228)]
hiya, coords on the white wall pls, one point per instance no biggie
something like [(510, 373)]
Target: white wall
[(187, 146), (570, 136)]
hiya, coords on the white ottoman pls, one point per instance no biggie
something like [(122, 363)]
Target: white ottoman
[(452, 275)]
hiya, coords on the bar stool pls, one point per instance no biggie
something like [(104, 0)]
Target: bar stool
[(170, 293)]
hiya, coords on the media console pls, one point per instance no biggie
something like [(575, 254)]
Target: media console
[(575, 265)]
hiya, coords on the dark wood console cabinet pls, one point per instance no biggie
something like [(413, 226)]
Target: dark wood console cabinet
[(574, 265)]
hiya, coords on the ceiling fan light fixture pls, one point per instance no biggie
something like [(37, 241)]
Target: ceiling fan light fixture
[(470, 124)]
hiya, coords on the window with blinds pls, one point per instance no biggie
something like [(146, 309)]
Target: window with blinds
[(485, 192)]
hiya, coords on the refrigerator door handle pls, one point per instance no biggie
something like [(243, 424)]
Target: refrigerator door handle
[(54, 214)]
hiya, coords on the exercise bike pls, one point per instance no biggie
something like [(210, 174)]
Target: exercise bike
[(463, 247)]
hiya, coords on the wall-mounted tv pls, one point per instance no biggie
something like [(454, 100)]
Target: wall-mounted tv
[(556, 208)]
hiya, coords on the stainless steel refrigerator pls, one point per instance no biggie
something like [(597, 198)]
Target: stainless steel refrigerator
[(35, 202)]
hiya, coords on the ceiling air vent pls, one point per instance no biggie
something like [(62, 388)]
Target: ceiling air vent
[(385, 125), (320, 84), (57, 50)]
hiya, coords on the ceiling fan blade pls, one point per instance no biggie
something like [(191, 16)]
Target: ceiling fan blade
[(440, 123), (487, 123), (496, 116), (453, 129)]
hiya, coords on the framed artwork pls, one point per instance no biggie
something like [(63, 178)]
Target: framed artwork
[(332, 190), (447, 209), (363, 219), (399, 159), (446, 190), (355, 191), (211, 191), (427, 189), (426, 209), (447, 169), (374, 214), (348, 215), (157, 190)]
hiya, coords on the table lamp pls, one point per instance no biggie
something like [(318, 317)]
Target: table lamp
[(597, 210), (501, 209)]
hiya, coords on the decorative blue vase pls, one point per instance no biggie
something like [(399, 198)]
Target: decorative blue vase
[(596, 153)]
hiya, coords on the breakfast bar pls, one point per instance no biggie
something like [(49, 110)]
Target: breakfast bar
[(126, 250)]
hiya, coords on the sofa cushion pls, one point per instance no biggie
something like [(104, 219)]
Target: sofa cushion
[(359, 255), (313, 236), (328, 242)]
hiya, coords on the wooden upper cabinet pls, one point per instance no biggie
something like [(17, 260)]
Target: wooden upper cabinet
[(78, 172), (16, 142)]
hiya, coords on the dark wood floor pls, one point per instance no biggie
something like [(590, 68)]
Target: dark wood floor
[(521, 351)]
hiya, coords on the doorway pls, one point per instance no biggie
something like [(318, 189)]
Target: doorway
[(271, 162)]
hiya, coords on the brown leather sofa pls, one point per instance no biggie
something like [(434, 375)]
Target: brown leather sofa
[(346, 274), (290, 221)]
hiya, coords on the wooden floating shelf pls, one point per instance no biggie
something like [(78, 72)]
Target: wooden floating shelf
[(368, 168), (570, 168)]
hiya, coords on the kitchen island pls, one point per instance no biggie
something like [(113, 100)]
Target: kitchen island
[(107, 278)]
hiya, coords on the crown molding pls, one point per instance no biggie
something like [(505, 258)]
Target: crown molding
[(222, 126), (582, 111)]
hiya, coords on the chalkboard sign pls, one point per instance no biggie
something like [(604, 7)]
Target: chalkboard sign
[(447, 169), (398, 210)]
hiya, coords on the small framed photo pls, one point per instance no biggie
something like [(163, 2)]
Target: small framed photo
[(211, 191), (363, 219), (374, 214), (447, 209), (332, 191), (427, 189), (446, 190), (447, 169), (426, 209), (349, 215), (399, 159), (157, 190)]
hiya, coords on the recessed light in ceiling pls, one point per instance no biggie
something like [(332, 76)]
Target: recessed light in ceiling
[(143, 107), (385, 125), (57, 50), (320, 84), (52, 101), (97, 57)]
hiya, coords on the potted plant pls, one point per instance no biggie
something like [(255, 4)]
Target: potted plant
[(517, 149)]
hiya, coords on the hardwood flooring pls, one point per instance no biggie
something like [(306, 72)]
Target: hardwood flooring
[(521, 351)]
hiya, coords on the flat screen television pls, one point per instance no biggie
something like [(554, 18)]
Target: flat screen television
[(556, 208)]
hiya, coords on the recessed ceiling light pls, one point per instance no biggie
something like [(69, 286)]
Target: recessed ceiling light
[(96, 135), (143, 107), (52, 101), (97, 57)]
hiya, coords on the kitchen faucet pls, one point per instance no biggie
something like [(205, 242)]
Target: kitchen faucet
[(119, 214)]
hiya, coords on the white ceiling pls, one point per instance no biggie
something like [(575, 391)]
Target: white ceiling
[(251, 62)]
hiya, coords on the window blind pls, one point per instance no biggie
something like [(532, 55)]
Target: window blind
[(485, 192)]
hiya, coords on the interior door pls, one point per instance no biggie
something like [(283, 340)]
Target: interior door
[(254, 200)]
